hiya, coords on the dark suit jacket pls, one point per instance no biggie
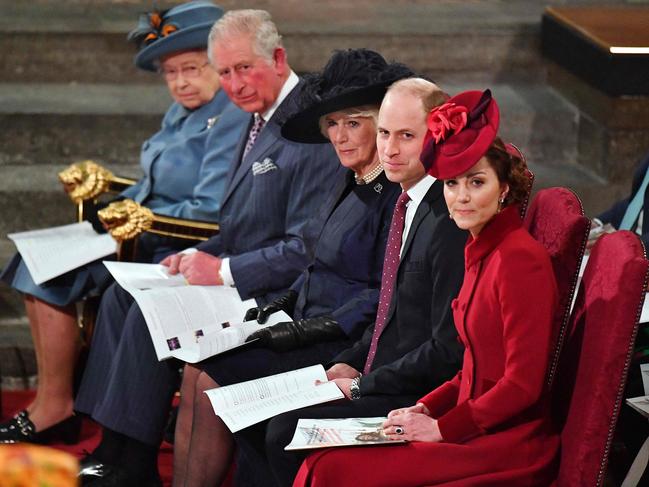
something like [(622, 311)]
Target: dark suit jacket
[(270, 197), (344, 280), (615, 213), (418, 348)]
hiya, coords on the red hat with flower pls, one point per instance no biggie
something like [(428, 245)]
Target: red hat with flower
[(459, 133)]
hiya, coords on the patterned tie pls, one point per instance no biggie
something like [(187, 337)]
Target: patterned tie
[(257, 125), (635, 205), (390, 267)]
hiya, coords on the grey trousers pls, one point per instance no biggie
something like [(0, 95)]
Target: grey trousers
[(124, 387)]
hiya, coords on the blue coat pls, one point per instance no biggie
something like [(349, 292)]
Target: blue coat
[(344, 279), (271, 196), (616, 212), (185, 164)]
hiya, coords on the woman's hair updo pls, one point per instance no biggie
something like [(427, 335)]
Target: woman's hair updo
[(510, 169)]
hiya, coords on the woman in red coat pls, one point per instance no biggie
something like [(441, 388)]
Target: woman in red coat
[(490, 424)]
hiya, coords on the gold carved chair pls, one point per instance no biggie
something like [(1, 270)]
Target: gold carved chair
[(87, 184)]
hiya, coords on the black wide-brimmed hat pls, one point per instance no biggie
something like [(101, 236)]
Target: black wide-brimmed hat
[(351, 78), (186, 26)]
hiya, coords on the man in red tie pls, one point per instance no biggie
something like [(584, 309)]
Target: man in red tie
[(412, 345)]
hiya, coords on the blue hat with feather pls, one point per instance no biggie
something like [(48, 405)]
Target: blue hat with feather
[(184, 27)]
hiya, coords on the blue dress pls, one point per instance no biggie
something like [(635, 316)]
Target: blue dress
[(185, 166)]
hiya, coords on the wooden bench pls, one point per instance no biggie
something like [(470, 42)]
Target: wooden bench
[(608, 47)]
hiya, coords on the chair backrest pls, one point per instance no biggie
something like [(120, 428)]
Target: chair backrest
[(589, 386), (525, 203), (515, 151), (556, 219)]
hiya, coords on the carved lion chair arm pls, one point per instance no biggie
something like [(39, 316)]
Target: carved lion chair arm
[(126, 220), (86, 181)]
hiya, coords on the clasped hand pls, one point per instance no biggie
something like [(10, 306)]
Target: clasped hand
[(415, 422), (197, 268)]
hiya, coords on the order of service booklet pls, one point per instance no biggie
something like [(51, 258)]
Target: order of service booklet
[(640, 404), (187, 322), (247, 403), (328, 433), (51, 252)]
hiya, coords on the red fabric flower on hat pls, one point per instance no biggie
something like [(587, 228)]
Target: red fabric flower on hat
[(445, 120)]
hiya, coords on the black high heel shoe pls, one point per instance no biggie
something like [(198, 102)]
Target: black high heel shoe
[(21, 429)]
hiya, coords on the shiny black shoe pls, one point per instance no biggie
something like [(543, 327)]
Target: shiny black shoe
[(21, 429), (94, 473)]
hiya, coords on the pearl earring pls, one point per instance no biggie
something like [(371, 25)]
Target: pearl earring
[(501, 202)]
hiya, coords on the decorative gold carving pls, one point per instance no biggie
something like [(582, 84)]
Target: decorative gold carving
[(85, 180), (126, 219)]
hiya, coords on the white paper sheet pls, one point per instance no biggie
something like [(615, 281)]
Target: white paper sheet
[(51, 252), (134, 276), (196, 348), (247, 403), (175, 312), (640, 404)]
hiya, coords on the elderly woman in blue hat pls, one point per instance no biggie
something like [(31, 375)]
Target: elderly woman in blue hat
[(184, 164)]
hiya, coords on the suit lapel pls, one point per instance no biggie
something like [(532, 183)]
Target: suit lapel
[(331, 203), (268, 136), (424, 208), (237, 162)]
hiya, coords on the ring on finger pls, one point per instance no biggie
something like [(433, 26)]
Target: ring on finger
[(399, 430)]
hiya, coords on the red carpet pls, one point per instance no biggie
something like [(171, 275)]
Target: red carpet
[(13, 401)]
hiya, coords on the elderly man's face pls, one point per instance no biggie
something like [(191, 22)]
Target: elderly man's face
[(401, 131), (252, 82)]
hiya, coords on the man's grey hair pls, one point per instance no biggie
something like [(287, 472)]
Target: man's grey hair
[(257, 24)]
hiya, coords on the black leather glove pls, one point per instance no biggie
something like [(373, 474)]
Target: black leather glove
[(285, 303), (290, 335)]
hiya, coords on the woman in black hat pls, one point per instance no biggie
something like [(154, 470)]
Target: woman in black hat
[(337, 295), (184, 164)]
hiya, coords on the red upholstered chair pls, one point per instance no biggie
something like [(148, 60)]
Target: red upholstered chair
[(524, 204), (515, 151), (556, 219), (589, 385)]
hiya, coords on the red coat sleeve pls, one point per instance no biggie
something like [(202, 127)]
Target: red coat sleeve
[(526, 291), (444, 397)]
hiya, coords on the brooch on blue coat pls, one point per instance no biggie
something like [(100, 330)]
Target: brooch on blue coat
[(378, 187), (212, 121)]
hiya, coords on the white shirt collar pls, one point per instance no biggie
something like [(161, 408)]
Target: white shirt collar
[(419, 190), (290, 83)]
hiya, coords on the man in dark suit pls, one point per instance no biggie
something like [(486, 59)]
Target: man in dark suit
[(274, 187), (416, 347)]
